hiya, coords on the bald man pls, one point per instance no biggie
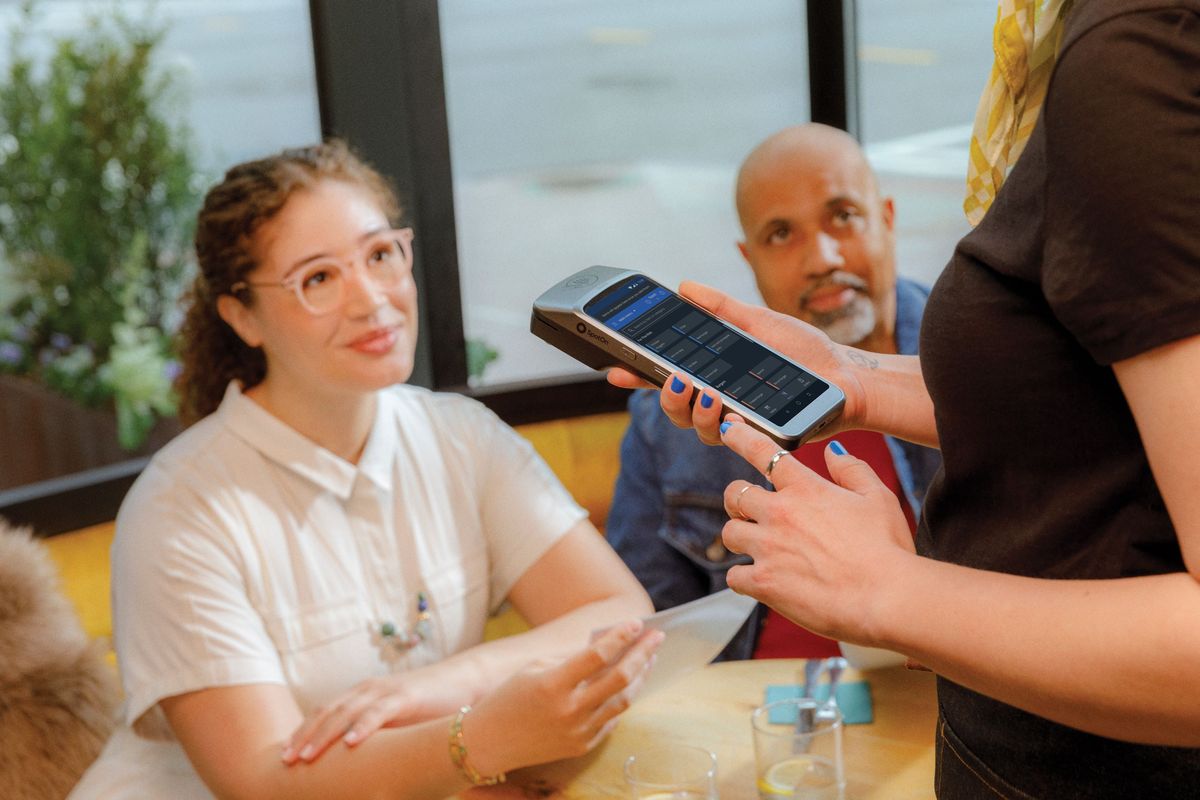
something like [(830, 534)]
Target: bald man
[(818, 236), (820, 241)]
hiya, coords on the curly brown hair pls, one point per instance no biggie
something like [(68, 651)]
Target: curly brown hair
[(252, 193)]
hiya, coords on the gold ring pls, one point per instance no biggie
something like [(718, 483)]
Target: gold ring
[(775, 460), (737, 501)]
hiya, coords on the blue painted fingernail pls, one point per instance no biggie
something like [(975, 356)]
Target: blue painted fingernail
[(725, 427), (837, 448), (705, 401), (676, 385)]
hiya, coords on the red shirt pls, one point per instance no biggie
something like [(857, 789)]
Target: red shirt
[(779, 637)]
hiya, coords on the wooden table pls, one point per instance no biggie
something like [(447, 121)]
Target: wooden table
[(890, 759)]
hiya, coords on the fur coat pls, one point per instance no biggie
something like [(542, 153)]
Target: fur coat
[(57, 695)]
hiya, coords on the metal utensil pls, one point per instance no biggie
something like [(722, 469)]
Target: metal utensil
[(834, 666), (806, 717)]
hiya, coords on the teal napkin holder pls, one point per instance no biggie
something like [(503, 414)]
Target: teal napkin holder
[(854, 700)]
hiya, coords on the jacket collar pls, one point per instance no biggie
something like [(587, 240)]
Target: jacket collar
[(910, 307)]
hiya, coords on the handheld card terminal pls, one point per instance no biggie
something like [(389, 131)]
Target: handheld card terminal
[(604, 317)]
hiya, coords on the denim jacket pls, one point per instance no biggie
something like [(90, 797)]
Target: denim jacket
[(668, 510)]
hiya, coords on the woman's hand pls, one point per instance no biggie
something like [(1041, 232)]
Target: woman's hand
[(826, 554), (389, 701), (803, 343), (546, 713)]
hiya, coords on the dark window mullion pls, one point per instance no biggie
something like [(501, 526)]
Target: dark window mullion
[(833, 64)]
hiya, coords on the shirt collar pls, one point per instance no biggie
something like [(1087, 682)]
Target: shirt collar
[(289, 448), (379, 455)]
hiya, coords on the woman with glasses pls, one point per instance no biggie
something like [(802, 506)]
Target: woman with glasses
[(301, 579)]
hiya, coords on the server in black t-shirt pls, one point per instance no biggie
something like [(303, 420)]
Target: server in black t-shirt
[(1056, 585)]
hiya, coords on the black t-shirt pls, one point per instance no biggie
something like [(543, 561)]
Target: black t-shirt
[(1089, 255)]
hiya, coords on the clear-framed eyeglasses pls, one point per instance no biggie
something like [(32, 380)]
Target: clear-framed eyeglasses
[(320, 285)]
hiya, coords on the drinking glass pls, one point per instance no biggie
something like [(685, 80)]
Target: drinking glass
[(798, 750), (672, 772)]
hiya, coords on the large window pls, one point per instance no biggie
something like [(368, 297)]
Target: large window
[(604, 132), (245, 69), (90, 177)]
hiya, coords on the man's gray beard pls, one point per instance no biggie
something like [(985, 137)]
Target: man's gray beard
[(849, 325)]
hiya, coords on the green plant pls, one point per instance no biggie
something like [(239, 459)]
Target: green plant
[(479, 355), (98, 193)]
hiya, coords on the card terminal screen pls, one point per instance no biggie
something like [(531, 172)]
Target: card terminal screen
[(706, 348)]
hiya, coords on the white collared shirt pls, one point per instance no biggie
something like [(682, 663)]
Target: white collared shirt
[(246, 554)]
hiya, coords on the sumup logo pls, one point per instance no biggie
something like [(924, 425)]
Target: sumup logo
[(585, 330)]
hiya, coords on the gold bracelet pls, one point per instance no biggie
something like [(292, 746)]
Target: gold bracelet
[(458, 754)]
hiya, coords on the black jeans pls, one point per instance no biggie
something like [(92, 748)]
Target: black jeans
[(1086, 768), (960, 775)]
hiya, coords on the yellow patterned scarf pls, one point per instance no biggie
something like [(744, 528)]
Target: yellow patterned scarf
[(1026, 40)]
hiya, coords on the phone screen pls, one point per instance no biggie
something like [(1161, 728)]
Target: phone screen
[(706, 348)]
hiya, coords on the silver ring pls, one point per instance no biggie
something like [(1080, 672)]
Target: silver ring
[(775, 460), (737, 501)]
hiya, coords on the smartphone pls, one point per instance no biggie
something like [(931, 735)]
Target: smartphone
[(604, 316)]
